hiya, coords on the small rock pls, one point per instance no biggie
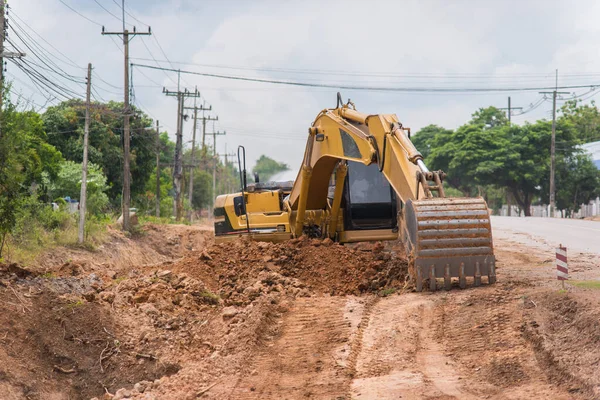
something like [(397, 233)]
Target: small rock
[(149, 309), (89, 296), (229, 312), (108, 297), (327, 242), (163, 274), (140, 297), (111, 274), (142, 386), (122, 394), (205, 256)]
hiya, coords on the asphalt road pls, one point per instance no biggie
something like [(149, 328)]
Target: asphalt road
[(575, 234)]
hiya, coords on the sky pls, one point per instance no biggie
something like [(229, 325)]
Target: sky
[(376, 44)]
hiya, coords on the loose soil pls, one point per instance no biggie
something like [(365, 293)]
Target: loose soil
[(169, 314)]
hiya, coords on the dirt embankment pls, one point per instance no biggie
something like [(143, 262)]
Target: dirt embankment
[(165, 314), (565, 332), (171, 315)]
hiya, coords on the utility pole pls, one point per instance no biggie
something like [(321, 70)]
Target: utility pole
[(157, 170), (86, 133), (178, 167), (215, 160), (127, 36), (509, 110), (4, 54), (191, 185), (554, 93), (229, 189), (204, 119)]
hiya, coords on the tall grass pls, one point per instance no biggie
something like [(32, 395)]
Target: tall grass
[(40, 228)]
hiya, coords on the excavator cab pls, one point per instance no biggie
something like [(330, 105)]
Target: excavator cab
[(369, 201)]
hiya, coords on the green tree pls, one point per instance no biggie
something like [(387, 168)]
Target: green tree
[(577, 182), (24, 157), (64, 125), (146, 201), (585, 119), (427, 137), (68, 183), (266, 167), (202, 195), (489, 117)]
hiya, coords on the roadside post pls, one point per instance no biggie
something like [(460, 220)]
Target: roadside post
[(562, 269)]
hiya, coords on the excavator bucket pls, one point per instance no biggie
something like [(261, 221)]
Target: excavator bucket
[(448, 238)]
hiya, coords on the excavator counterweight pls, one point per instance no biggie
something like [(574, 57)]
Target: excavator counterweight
[(362, 179)]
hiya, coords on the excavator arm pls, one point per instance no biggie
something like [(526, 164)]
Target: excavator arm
[(444, 237)]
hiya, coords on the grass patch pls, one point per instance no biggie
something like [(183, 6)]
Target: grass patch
[(210, 297), (76, 303), (586, 284), (387, 292), (48, 275), (34, 235)]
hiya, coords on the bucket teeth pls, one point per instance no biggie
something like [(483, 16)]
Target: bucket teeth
[(432, 280), (449, 238)]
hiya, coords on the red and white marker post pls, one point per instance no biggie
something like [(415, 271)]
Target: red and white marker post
[(562, 268)]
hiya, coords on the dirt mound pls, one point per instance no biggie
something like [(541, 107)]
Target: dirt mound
[(242, 269), (565, 332)]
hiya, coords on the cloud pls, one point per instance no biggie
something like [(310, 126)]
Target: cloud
[(414, 43)]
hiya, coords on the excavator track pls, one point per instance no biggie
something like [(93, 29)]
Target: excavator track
[(449, 238)]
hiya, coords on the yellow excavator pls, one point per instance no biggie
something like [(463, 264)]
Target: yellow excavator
[(362, 179)]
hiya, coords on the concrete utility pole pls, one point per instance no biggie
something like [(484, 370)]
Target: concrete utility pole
[(86, 132), (157, 170), (229, 188), (191, 185), (215, 160), (127, 36), (509, 110), (554, 93), (204, 119), (178, 167), (4, 54)]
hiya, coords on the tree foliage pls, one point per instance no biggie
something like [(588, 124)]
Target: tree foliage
[(68, 183), (489, 117), (64, 125), (266, 167), (487, 154), (585, 119), (24, 157)]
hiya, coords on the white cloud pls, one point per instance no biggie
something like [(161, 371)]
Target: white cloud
[(490, 44)]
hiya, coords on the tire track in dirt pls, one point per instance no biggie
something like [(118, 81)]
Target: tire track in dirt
[(401, 357), (301, 363), (356, 344), (439, 374)]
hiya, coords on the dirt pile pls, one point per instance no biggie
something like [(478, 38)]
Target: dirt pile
[(242, 270)]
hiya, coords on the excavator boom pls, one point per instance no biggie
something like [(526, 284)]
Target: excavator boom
[(362, 179)]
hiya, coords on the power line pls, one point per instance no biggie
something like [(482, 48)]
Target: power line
[(105, 9), (68, 61), (365, 88), (424, 75), (80, 14), (129, 14), (151, 55)]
